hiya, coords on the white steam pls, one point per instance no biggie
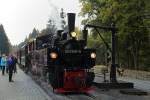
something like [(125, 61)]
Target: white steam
[(55, 16)]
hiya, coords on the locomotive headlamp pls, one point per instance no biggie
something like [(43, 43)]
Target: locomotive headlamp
[(73, 34), (53, 55), (93, 55)]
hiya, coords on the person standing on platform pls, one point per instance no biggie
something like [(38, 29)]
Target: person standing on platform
[(15, 67), (3, 64), (11, 68), (8, 63), (0, 61)]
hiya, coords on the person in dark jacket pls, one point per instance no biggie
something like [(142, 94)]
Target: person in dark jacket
[(11, 68), (15, 67)]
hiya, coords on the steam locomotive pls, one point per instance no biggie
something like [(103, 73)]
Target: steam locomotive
[(65, 60)]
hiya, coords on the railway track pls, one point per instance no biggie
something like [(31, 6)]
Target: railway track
[(96, 94), (81, 97)]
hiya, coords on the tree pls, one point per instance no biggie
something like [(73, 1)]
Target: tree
[(50, 29), (34, 34), (133, 36), (4, 41)]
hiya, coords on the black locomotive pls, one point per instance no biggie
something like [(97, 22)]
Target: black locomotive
[(61, 57)]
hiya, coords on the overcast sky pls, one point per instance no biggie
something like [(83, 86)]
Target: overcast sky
[(19, 17)]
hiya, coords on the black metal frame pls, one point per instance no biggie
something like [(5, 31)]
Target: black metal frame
[(113, 29)]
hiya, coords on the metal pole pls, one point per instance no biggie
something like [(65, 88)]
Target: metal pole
[(113, 65)]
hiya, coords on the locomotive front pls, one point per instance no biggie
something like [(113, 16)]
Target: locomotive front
[(70, 61)]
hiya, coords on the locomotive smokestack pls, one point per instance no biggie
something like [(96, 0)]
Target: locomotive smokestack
[(71, 22)]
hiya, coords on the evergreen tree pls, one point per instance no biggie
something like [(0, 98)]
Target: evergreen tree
[(50, 29), (4, 41), (34, 34)]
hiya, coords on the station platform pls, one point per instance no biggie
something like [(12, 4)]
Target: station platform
[(23, 88)]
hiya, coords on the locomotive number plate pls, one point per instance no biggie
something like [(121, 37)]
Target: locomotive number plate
[(72, 51)]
